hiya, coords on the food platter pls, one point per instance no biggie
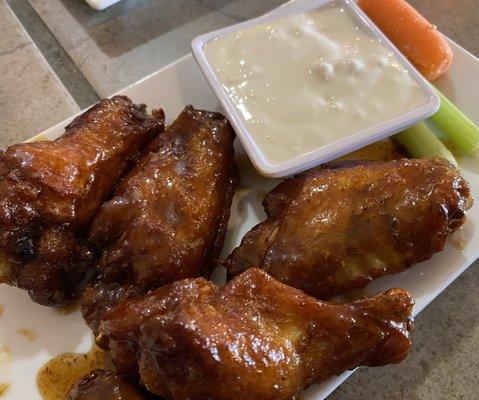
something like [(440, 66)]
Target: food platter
[(30, 334)]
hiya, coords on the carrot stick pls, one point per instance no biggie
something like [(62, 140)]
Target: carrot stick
[(412, 34)]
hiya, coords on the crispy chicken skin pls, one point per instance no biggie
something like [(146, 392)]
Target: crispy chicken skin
[(335, 229), (106, 385), (255, 338), (167, 220), (51, 190)]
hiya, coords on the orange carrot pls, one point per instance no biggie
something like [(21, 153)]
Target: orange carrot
[(411, 33)]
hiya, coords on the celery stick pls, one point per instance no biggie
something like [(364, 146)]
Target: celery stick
[(456, 125), (420, 142)]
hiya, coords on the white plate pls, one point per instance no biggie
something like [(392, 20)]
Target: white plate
[(172, 88), (101, 4)]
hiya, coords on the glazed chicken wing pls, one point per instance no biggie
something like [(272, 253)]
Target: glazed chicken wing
[(255, 338), (51, 190), (167, 220), (331, 230), (106, 385)]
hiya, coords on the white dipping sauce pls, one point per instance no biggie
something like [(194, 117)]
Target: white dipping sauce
[(304, 81)]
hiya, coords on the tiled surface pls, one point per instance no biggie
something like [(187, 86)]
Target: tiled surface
[(457, 19), (65, 68), (31, 96), (134, 38)]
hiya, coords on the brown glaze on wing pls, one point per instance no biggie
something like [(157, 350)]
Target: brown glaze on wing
[(121, 328), (106, 385), (99, 298), (331, 230), (50, 192), (255, 338), (167, 220)]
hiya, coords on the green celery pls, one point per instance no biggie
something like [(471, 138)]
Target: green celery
[(456, 125), (421, 142)]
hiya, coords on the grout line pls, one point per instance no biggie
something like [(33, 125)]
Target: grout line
[(61, 63)]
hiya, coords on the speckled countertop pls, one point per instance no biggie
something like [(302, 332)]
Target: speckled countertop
[(58, 56)]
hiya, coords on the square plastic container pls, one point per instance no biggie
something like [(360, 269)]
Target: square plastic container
[(338, 147)]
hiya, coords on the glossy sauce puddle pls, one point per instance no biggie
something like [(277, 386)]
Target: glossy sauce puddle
[(383, 150), (3, 388), (58, 375)]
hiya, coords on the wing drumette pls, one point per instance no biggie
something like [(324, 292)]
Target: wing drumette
[(255, 338), (50, 192), (168, 218), (331, 230)]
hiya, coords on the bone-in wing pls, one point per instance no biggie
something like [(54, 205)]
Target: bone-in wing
[(106, 385), (50, 192), (168, 218), (335, 229), (255, 338)]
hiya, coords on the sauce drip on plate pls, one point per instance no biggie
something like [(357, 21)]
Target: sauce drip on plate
[(58, 375), (29, 334), (3, 388)]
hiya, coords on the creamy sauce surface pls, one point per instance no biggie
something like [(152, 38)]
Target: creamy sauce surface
[(306, 80)]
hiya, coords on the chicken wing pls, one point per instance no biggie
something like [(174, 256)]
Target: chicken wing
[(51, 190), (106, 385), (255, 338), (168, 218), (335, 229)]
